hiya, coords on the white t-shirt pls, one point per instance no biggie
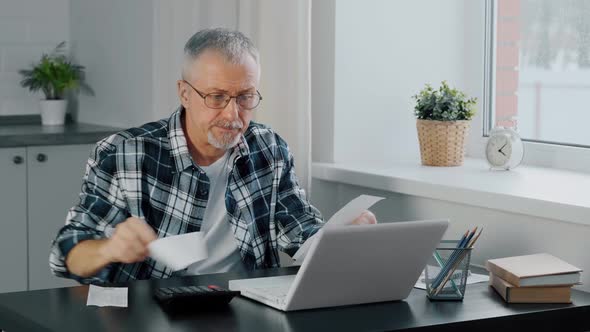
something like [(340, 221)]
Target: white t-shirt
[(224, 255)]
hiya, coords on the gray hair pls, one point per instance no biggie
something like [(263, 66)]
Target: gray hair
[(232, 44)]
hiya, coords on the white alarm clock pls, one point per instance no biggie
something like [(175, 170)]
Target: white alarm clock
[(504, 149)]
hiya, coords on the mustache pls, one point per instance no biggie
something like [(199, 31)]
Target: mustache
[(237, 124)]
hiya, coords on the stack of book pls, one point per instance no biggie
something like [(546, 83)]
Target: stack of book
[(538, 278)]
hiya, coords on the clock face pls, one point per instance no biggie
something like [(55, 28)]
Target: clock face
[(499, 150)]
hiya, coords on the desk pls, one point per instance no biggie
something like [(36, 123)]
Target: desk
[(64, 309)]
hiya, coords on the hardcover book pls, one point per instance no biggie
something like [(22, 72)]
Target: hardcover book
[(513, 294), (534, 270)]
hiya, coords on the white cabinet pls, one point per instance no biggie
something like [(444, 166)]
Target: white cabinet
[(34, 203), (13, 220), (54, 181)]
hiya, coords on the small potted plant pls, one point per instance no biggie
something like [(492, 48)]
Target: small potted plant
[(443, 121), (55, 74)]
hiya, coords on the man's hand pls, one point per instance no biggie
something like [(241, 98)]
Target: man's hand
[(366, 218), (129, 243)]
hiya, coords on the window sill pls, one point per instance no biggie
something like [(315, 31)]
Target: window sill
[(542, 192)]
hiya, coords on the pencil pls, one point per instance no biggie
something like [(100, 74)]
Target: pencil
[(475, 238)]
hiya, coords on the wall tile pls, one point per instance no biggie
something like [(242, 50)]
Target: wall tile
[(46, 8), (28, 28), (48, 30), (22, 56), (10, 87), (12, 8), (19, 106), (12, 30)]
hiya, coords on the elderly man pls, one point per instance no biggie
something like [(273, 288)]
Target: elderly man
[(207, 168)]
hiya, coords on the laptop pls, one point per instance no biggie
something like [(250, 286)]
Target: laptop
[(349, 265)]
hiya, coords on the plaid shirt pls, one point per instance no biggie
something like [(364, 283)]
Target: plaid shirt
[(148, 172)]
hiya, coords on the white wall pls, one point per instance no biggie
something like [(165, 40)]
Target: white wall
[(113, 39), (385, 52), (323, 23), (504, 234), (28, 28)]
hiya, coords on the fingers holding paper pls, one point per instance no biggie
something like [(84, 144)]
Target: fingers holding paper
[(365, 218), (129, 243)]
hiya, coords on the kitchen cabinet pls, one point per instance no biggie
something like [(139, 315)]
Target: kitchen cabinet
[(13, 220), (35, 200)]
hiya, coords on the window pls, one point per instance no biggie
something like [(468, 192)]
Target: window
[(540, 70)]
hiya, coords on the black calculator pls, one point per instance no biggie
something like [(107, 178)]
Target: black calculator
[(187, 297)]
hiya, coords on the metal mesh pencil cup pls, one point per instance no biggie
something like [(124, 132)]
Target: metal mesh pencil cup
[(446, 272)]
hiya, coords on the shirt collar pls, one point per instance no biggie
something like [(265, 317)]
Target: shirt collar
[(179, 148)]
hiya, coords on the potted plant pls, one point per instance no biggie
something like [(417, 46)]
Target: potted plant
[(55, 74), (443, 121)]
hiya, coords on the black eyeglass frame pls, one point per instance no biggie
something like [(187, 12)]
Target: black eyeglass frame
[(204, 96)]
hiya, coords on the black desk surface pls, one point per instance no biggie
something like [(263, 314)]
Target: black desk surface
[(64, 309)]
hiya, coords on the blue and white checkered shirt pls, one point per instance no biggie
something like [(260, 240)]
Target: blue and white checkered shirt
[(147, 172)]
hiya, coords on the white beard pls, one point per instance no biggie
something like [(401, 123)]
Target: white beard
[(225, 142)]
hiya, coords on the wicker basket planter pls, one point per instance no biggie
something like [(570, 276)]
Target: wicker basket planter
[(442, 143)]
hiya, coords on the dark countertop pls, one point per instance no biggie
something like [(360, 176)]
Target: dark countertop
[(65, 309), (19, 135)]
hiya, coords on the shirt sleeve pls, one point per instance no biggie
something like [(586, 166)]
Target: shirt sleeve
[(297, 219), (101, 206)]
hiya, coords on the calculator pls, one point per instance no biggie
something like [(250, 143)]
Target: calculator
[(188, 297)]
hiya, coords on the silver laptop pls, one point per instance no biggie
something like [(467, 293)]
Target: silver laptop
[(352, 265)]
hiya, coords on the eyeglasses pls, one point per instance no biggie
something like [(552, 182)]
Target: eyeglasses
[(214, 100)]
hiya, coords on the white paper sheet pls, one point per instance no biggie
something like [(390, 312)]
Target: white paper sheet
[(345, 216), (472, 278), (179, 251), (107, 296)]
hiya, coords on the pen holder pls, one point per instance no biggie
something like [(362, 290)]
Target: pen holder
[(446, 272)]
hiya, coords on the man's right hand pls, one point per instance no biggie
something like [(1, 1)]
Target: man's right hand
[(129, 243)]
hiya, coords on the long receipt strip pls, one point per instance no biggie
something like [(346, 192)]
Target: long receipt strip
[(344, 216), (179, 251)]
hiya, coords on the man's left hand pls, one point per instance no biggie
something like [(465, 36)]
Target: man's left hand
[(366, 218)]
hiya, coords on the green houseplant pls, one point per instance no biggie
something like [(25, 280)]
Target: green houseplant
[(443, 120), (55, 75)]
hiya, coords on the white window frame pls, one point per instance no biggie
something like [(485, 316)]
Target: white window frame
[(541, 154)]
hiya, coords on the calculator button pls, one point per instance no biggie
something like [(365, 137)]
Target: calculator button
[(177, 290), (185, 290), (166, 291), (194, 289)]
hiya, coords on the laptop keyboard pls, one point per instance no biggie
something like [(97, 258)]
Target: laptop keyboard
[(276, 294)]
